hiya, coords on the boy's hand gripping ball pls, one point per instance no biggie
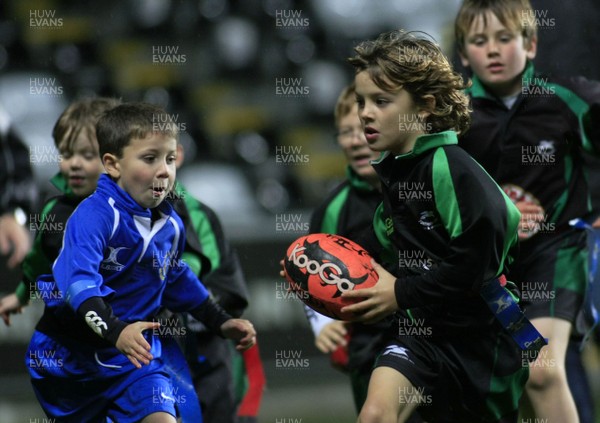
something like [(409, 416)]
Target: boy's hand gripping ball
[(320, 267)]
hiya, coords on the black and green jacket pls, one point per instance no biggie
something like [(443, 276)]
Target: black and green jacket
[(534, 149), (49, 226), (209, 254), (450, 227)]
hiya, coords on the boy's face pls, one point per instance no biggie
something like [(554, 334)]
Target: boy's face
[(390, 121), (497, 55), (351, 139), (146, 170), (81, 165)]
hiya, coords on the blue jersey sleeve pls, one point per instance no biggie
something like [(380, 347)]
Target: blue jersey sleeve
[(76, 269), (184, 291)]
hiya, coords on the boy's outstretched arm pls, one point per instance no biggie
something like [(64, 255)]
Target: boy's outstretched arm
[(220, 322), (240, 330), (185, 291)]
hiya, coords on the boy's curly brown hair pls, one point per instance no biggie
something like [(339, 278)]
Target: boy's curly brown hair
[(408, 60)]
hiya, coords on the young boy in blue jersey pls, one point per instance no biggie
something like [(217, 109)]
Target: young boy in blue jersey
[(119, 264), (463, 363), (80, 167)]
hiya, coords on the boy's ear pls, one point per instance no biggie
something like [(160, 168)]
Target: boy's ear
[(429, 107), (112, 165), (531, 47)]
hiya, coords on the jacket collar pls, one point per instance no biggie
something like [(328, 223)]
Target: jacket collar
[(109, 188), (423, 144), (478, 89), (60, 182), (358, 182)]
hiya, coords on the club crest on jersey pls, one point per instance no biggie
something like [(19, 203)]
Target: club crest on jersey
[(112, 262), (162, 271), (329, 269), (428, 220), (546, 147), (165, 260), (542, 154)]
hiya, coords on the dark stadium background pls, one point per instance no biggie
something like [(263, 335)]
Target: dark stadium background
[(261, 158)]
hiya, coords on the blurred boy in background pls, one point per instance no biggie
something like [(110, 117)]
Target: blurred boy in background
[(80, 167)]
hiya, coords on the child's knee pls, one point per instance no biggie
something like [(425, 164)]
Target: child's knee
[(374, 412), (543, 377)]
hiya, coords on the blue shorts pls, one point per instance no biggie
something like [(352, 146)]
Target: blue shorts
[(76, 384)]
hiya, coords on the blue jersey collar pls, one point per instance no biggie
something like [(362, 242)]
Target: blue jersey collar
[(110, 188)]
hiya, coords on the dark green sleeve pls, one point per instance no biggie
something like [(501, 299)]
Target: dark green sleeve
[(582, 97), (325, 219), (40, 258), (225, 280)]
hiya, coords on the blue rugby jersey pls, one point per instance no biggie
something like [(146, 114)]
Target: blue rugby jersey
[(113, 248)]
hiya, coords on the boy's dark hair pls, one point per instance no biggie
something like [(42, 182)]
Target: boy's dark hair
[(407, 60), (516, 15), (344, 104), (118, 126), (81, 115)]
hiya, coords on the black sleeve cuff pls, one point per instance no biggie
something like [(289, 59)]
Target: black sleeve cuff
[(100, 318), (399, 294), (212, 315)]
